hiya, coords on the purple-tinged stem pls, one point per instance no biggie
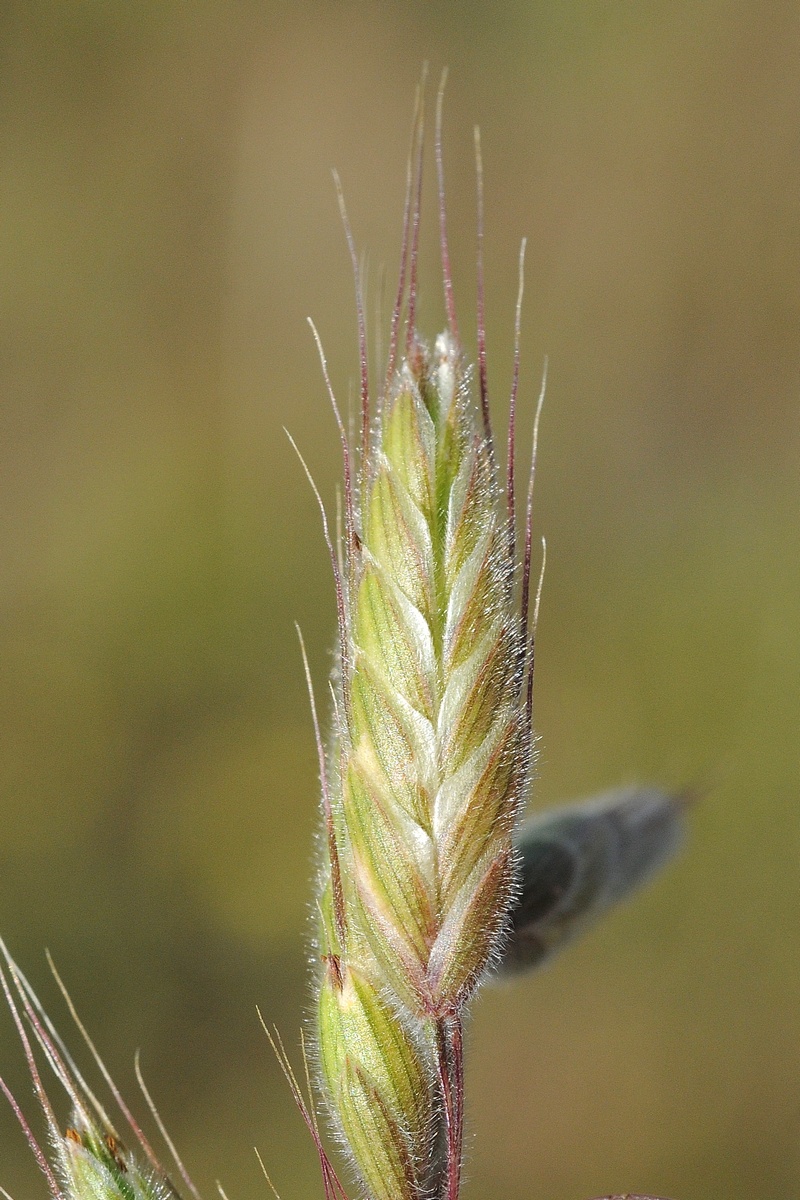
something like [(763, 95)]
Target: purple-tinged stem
[(411, 324), (337, 578), (330, 1180), (450, 1069), (447, 273), (531, 643), (38, 1086), (414, 154), (38, 1153), (330, 832), (362, 328), (512, 416), (526, 568), (482, 374), (349, 511)]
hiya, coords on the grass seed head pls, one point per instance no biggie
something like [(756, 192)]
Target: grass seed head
[(86, 1159), (432, 747), (95, 1166)]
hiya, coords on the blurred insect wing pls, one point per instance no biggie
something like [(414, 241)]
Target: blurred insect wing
[(579, 860)]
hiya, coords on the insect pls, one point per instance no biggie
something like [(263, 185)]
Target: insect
[(577, 861)]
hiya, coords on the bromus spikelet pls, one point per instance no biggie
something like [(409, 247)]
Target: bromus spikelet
[(432, 747), (85, 1159)]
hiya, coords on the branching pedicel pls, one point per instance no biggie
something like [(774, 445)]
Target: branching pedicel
[(432, 751)]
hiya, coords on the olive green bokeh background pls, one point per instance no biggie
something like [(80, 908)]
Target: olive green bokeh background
[(168, 221)]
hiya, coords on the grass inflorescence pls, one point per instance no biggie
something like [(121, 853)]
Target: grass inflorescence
[(86, 1158), (432, 749)]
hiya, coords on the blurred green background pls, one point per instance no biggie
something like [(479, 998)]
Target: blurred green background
[(168, 221)]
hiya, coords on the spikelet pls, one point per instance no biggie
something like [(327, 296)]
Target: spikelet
[(432, 748)]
